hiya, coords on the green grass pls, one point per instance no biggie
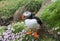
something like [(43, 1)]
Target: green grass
[(34, 5), (8, 7), (2, 29), (51, 15), (18, 27)]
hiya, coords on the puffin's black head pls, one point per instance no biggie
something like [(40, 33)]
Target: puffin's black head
[(27, 15)]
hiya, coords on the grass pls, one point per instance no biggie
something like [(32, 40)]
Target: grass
[(51, 14), (19, 26), (8, 7), (2, 29)]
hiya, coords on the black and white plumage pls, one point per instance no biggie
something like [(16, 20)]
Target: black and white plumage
[(31, 21), (34, 23)]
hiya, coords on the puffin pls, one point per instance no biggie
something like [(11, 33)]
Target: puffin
[(32, 22)]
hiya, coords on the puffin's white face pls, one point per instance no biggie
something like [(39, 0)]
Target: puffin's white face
[(26, 14)]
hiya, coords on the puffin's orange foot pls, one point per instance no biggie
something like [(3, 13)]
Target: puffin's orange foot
[(28, 33), (36, 35)]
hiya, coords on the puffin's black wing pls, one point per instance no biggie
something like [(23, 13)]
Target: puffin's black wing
[(38, 20)]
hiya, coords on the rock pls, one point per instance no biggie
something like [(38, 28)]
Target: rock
[(17, 15)]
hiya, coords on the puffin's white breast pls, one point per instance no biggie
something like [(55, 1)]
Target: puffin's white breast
[(31, 23)]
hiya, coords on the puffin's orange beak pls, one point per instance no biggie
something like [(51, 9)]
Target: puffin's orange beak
[(23, 17)]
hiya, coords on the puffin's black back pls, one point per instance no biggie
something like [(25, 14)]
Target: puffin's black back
[(34, 17), (38, 20)]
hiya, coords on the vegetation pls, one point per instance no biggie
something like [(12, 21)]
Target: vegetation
[(2, 29), (17, 27), (8, 7), (51, 15), (34, 5)]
